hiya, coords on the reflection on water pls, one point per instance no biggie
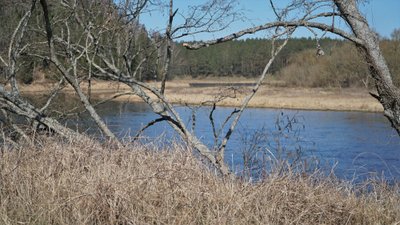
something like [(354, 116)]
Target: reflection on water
[(359, 142)]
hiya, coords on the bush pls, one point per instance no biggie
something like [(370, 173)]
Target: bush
[(343, 67), (391, 51)]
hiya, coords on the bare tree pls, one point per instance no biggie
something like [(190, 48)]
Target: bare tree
[(104, 40), (395, 35), (121, 62), (360, 34), (11, 101)]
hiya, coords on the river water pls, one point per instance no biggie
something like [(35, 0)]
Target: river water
[(355, 144)]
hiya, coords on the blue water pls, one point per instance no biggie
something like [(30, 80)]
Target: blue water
[(356, 144)]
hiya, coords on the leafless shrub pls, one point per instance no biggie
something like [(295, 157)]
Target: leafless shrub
[(277, 150)]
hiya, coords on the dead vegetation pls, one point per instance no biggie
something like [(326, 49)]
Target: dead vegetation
[(269, 95), (61, 182)]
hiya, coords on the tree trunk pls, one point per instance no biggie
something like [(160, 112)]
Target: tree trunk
[(20, 107), (388, 94)]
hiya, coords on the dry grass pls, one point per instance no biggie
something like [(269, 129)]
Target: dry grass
[(355, 99), (270, 96), (62, 182)]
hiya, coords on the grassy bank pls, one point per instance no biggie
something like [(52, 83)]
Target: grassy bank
[(269, 95), (59, 182)]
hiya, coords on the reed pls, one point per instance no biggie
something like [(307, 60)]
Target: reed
[(63, 182)]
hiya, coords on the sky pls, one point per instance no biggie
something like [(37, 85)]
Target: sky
[(382, 15)]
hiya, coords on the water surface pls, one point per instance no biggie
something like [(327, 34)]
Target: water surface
[(356, 143)]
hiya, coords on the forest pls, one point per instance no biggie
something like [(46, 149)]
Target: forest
[(297, 64)]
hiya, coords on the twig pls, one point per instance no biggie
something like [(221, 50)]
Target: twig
[(151, 123), (54, 93), (169, 47), (221, 149)]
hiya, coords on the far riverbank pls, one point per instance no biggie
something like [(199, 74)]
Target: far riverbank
[(269, 96)]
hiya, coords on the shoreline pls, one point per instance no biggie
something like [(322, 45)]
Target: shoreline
[(181, 93), (283, 108)]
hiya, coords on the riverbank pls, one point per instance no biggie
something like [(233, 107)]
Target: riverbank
[(67, 182), (269, 95)]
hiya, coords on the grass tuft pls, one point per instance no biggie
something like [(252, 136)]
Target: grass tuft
[(85, 183)]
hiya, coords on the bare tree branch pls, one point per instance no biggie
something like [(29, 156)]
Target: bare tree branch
[(247, 99), (15, 127), (53, 94), (168, 38), (267, 26), (72, 80), (388, 93), (151, 123), (14, 48)]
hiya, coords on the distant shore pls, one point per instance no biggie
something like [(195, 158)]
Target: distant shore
[(269, 96)]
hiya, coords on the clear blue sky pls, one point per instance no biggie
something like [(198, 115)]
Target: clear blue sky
[(383, 16)]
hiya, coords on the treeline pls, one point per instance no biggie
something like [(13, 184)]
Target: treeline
[(30, 68), (297, 64), (245, 58), (343, 67)]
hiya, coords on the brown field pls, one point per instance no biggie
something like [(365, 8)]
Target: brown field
[(269, 95), (65, 182)]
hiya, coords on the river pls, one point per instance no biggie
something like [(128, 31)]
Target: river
[(355, 144)]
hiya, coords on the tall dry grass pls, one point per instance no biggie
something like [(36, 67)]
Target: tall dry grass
[(61, 182)]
